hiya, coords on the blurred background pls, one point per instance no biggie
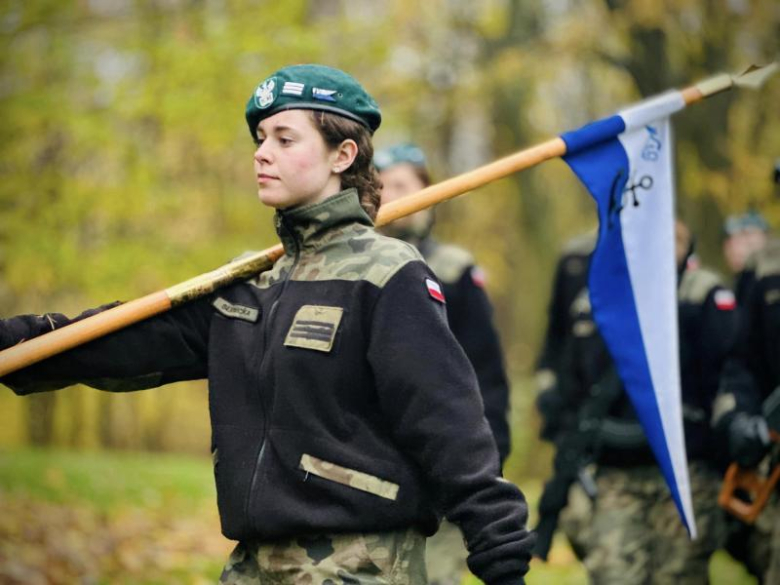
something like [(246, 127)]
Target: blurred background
[(126, 166)]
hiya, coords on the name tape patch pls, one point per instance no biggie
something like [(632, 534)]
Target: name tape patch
[(236, 311), (314, 327)]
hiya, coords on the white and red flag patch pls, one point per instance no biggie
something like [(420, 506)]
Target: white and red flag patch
[(478, 276), (434, 290), (725, 300)]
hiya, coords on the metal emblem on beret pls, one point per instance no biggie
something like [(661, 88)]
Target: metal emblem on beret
[(265, 93)]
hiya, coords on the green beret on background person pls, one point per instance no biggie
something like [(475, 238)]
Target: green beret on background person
[(403, 171), (346, 419)]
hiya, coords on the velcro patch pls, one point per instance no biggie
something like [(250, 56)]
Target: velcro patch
[(434, 290), (725, 300), (478, 276), (236, 311), (314, 327), (772, 296), (349, 477)]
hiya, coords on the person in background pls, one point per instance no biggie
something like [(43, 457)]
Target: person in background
[(751, 378), (403, 171), (630, 532), (744, 236)]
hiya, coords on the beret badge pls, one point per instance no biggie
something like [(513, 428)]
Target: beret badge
[(265, 94)]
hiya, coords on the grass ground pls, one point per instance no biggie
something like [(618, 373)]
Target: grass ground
[(141, 518)]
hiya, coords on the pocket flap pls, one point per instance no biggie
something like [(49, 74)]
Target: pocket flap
[(349, 477)]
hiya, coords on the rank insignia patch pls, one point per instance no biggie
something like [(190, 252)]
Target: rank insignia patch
[(292, 88), (314, 327)]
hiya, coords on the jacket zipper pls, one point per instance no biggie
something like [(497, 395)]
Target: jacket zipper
[(267, 407)]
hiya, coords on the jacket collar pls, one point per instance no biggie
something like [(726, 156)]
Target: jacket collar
[(304, 227)]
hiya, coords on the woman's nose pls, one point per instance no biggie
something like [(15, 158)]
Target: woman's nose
[(262, 153)]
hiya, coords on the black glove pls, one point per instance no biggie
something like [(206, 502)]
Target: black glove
[(748, 439), (551, 406)]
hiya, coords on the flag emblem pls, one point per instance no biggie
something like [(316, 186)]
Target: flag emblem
[(325, 95), (292, 88), (725, 300), (625, 161), (434, 290), (478, 276)]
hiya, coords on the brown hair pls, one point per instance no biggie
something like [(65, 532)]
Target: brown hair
[(361, 174)]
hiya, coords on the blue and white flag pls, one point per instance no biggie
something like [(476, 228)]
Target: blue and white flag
[(625, 161)]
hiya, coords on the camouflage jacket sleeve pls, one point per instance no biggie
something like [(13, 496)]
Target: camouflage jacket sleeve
[(470, 317), (166, 348), (428, 393)]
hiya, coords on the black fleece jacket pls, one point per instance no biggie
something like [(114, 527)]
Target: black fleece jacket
[(340, 400)]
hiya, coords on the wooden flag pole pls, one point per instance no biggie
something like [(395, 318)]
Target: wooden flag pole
[(121, 316)]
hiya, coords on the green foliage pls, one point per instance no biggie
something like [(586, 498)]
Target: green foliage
[(107, 482)]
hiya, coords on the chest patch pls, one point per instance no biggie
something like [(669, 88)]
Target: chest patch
[(314, 327), (772, 296), (236, 311)]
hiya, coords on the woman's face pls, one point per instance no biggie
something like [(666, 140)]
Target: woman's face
[(293, 164)]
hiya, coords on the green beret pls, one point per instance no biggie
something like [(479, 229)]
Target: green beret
[(312, 87), (735, 224), (400, 153)]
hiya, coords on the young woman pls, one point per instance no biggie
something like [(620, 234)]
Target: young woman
[(346, 419)]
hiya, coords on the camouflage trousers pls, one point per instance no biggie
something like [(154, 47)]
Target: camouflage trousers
[(446, 556), (388, 558), (633, 535)]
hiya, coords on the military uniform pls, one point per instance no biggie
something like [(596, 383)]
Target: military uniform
[(469, 315), (340, 402), (752, 376), (558, 392), (631, 532)]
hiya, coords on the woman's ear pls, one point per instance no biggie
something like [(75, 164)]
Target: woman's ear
[(345, 154)]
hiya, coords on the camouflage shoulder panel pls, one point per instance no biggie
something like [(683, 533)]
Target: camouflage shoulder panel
[(696, 284), (278, 273), (356, 252), (768, 260), (449, 262), (583, 244)]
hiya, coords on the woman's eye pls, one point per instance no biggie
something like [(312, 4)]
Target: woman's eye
[(258, 142), (285, 141)]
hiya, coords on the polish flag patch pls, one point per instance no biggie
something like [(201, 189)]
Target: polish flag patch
[(434, 290), (478, 276), (725, 300)]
